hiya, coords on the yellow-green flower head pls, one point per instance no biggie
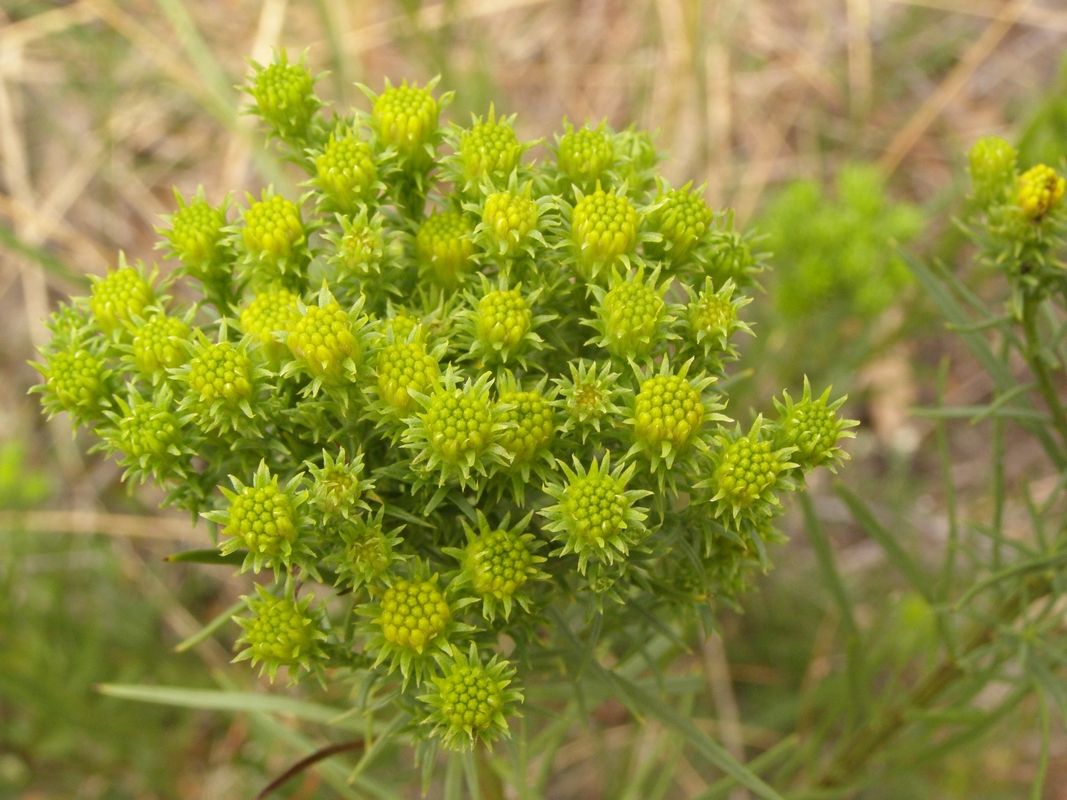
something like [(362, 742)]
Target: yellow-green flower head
[(813, 428), (1040, 191), (711, 320), (117, 298), (220, 372), (282, 632), (406, 118), (603, 229), (405, 367), (681, 218), (631, 314), (667, 409), (530, 424), (712, 315), (730, 257), (270, 312), (503, 318), (509, 220), (992, 167), (460, 424), (323, 339), (594, 513), (489, 149), (146, 431), (470, 702), (585, 154), (337, 487), (346, 173), (159, 344), (361, 248), (273, 231), (196, 235), (264, 518), (412, 615), (78, 382), (498, 563), (285, 96), (747, 471), (445, 247)]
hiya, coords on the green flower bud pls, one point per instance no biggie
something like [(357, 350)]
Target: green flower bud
[(222, 383), (405, 367), (503, 318), (285, 97), (992, 167), (667, 409), (445, 247), (273, 232), (283, 632), (1040, 191), (589, 396), (460, 425), (117, 298), (636, 160), (730, 257), (149, 432), (406, 118), (412, 615), (489, 149), (402, 325), (270, 312), (346, 173), (361, 247), (604, 230), (160, 344), (509, 219), (264, 518), (748, 469), (594, 513), (711, 320), (470, 702), (813, 428), (631, 314), (337, 487), (197, 238), (78, 382), (368, 550), (147, 436), (681, 217), (530, 424), (585, 154), (323, 340)]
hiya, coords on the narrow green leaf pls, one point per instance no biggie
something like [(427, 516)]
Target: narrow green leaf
[(896, 554), (211, 556), (212, 626), (219, 700)]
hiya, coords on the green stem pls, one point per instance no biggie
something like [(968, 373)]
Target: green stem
[(1039, 368), (489, 783), (873, 736)]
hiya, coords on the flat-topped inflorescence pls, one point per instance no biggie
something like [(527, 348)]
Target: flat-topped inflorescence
[(366, 385)]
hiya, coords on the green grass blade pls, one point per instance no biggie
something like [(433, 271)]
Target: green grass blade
[(220, 700), (212, 626), (896, 554)]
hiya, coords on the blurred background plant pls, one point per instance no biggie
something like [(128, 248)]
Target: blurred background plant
[(104, 105)]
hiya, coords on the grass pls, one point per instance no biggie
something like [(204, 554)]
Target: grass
[(104, 105)]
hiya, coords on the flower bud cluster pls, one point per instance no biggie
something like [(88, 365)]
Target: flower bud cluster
[(390, 369)]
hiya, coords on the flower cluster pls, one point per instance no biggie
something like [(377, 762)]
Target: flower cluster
[(1018, 222), (385, 372)]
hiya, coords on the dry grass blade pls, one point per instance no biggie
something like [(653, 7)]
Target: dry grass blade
[(21, 33), (909, 135), (130, 526), (1047, 18)]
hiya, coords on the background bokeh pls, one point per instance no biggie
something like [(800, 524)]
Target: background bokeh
[(836, 127)]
